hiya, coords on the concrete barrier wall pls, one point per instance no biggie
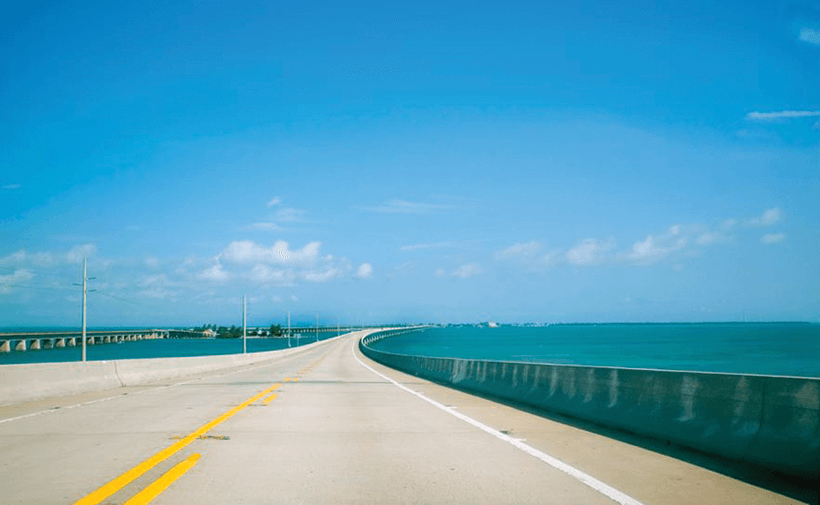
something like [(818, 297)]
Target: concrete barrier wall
[(765, 420), (22, 383)]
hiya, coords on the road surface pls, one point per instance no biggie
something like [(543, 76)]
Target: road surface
[(327, 425)]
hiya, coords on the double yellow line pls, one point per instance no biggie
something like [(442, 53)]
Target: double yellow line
[(163, 482)]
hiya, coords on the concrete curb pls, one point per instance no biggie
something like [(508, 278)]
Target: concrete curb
[(765, 420), (35, 381)]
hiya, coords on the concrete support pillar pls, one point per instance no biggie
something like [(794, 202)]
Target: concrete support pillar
[(89, 340), (60, 343), (138, 337), (21, 345), (71, 342), (5, 346), (107, 339), (35, 345)]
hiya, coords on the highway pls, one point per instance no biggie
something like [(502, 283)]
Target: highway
[(327, 425)]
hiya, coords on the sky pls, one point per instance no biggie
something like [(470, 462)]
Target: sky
[(378, 162)]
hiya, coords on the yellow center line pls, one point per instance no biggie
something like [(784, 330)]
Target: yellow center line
[(123, 480), (158, 486), (270, 398), (291, 379)]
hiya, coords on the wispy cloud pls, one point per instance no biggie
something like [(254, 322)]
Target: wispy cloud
[(522, 250), (246, 251), (433, 245), (262, 227), (769, 218), (772, 238), (654, 248), (781, 115), (810, 35), (365, 271), (214, 273), (12, 186), (468, 270), (530, 254), (7, 282), (589, 252), (398, 206), (275, 201), (289, 215)]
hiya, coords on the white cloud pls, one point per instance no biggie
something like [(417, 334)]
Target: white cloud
[(588, 252), (518, 251), (653, 248), (279, 254), (275, 201), (7, 281), (263, 274), (215, 274), (398, 206), (781, 115), (810, 35), (14, 258), (151, 262), (772, 238), (711, 237), (770, 217), (467, 271), (261, 227), (289, 215), (434, 245), (77, 253), (12, 186), (365, 271), (322, 275)]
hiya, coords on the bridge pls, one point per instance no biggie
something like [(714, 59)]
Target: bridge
[(325, 424), (57, 339), (23, 341)]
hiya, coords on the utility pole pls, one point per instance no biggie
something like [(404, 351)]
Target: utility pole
[(288, 328), (85, 296), (317, 326), (244, 325)]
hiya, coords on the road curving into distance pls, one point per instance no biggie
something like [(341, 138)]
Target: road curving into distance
[(328, 425)]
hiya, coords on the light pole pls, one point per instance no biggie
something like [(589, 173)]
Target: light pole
[(85, 296), (244, 325)]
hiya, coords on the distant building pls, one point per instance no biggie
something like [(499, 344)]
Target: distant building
[(209, 333)]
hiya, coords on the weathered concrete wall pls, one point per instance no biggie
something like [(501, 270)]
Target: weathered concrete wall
[(765, 420), (21, 383)]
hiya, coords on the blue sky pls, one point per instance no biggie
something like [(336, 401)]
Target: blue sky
[(377, 162)]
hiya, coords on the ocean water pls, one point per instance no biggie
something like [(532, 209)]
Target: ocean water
[(161, 348), (753, 348)]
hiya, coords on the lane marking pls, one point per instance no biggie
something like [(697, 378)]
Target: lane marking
[(605, 489), (158, 388), (158, 486), (123, 480), (270, 398), (291, 379)]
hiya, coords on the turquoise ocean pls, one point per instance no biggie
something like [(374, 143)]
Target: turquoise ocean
[(170, 348), (791, 349)]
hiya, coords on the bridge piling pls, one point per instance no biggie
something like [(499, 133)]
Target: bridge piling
[(5, 346)]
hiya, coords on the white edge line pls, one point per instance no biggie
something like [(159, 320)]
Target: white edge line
[(587, 479)]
